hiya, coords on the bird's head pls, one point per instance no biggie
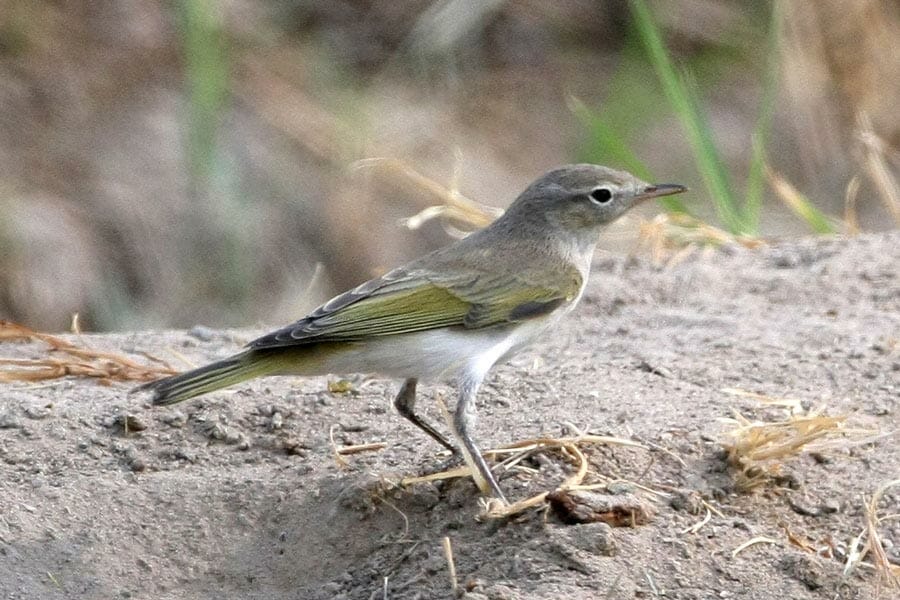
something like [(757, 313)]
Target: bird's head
[(582, 198)]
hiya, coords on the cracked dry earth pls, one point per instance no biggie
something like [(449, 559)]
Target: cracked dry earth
[(238, 494)]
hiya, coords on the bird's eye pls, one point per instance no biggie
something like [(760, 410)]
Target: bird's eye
[(601, 195)]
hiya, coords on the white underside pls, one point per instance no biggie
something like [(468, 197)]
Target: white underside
[(437, 354)]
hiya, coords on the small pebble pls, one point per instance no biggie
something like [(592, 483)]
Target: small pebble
[(880, 410), (655, 369), (276, 421), (332, 587), (202, 333), (266, 410), (216, 432), (130, 423), (687, 500), (596, 538), (620, 487), (187, 455), (37, 412), (820, 458), (293, 447), (9, 421), (354, 427), (803, 507), (803, 568), (176, 418), (144, 564)]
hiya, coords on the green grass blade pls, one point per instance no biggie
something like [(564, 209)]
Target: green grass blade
[(684, 102), (605, 145), (762, 129), (206, 70)]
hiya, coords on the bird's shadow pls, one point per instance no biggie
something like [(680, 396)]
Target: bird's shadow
[(348, 532)]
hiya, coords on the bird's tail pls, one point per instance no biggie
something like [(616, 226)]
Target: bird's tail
[(209, 378)]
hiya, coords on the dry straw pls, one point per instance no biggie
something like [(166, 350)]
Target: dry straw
[(63, 358), (756, 449), (868, 542)]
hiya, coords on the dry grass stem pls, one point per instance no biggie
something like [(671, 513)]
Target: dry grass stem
[(888, 574), (551, 442), (454, 473), (606, 484), (451, 565), (670, 238), (298, 116), (75, 326), (758, 442), (567, 446), (793, 405), (652, 584), (755, 448), (667, 452), (851, 217), (761, 539), (72, 360), (340, 460), (405, 535), (360, 448), (874, 149), (797, 203), (452, 205), (710, 511), (699, 524)]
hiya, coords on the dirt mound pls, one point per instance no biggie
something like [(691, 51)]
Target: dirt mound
[(239, 495)]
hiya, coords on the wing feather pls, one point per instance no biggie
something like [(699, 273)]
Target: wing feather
[(406, 301)]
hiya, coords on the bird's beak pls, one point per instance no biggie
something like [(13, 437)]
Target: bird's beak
[(661, 189)]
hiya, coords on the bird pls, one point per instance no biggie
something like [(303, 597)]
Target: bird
[(452, 314)]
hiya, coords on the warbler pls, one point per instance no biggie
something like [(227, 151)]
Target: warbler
[(453, 313)]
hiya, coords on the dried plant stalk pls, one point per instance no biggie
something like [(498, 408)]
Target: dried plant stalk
[(73, 360)]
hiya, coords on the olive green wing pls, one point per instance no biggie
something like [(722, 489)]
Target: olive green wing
[(508, 298), (406, 301)]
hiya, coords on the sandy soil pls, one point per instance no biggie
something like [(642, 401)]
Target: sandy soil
[(238, 495)]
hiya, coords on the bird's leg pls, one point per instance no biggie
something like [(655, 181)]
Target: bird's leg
[(405, 403), (463, 421)]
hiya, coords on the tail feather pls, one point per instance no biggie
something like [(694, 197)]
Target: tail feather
[(210, 378)]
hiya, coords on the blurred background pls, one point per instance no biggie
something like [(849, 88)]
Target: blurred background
[(236, 162)]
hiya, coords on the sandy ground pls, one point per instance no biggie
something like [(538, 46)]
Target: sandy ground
[(238, 495)]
